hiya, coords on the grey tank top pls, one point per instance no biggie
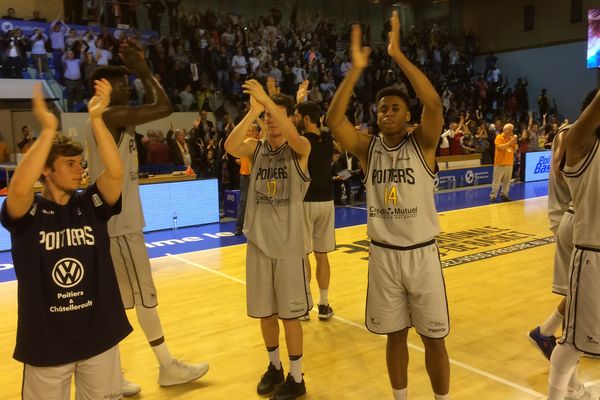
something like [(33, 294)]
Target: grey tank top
[(584, 183), (559, 196), (275, 214), (399, 184), (131, 218)]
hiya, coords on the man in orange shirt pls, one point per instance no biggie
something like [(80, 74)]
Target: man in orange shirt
[(506, 145)]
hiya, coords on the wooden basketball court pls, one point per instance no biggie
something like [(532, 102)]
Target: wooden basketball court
[(498, 274)]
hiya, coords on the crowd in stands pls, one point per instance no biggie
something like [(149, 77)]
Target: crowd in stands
[(203, 58)]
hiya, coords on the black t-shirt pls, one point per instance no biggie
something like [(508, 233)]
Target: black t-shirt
[(70, 307), (319, 167)]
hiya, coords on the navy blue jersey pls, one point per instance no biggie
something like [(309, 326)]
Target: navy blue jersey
[(70, 306)]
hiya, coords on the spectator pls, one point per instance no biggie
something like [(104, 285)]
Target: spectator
[(156, 9), (239, 63), (39, 56), (57, 39), (187, 100), (542, 102), (4, 154), (180, 149), (25, 144), (72, 79), (36, 17), (158, 152), (210, 166), (10, 14)]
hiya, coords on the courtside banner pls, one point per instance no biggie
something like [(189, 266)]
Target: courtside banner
[(462, 177), (535, 166), (27, 27)]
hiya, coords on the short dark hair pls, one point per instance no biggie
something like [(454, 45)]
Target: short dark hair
[(62, 146), (286, 101), (108, 72), (393, 91), (312, 110)]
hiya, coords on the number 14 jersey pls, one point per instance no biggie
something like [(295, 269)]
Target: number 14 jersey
[(399, 184)]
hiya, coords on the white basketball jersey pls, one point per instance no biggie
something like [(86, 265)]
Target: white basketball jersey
[(131, 218), (399, 185), (584, 182), (274, 212), (559, 196)]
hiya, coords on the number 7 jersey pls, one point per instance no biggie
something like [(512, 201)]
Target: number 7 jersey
[(274, 210), (399, 184)]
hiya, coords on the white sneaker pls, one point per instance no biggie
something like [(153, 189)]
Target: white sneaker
[(129, 388), (582, 393), (181, 372), (304, 317)]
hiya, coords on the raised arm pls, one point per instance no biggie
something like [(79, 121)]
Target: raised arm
[(297, 142), (236, 143), (157, 104), (302, 93), (432, 119), (580, 138), (20, 195), (341, 128), (110, 180)]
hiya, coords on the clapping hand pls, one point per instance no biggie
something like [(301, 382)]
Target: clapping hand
[(302, 91), (394, 36), (101, 98), (256, 91), (132, 55), (46, 119), (360, 54)]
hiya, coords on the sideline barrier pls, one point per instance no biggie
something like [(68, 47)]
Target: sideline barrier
[(462, 177), (167, 204)]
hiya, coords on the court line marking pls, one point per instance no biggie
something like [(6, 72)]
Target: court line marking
[(460, 364), (344, 227)]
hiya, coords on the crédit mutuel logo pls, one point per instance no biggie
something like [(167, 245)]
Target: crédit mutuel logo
[(67, 272)]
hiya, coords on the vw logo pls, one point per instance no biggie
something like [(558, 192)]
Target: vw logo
[(469, 176), (7, 26), (67, 272)]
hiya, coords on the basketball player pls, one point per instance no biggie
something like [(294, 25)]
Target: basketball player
[(277, 285), (560, 214), (319, 229), (70, 314), (406, 286), (580, 167), (127, 246)]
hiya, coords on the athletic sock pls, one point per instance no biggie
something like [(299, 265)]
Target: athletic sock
[(400, 394), (552, 324), (274, 356), (563, 363), (323, 296), (163, 355), (296, 368), (441, 396), (574, 383)]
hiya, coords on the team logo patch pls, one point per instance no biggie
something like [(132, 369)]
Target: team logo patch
[(469, 176), (67, 272), (97, 200), (33, 210), (7, 26)]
